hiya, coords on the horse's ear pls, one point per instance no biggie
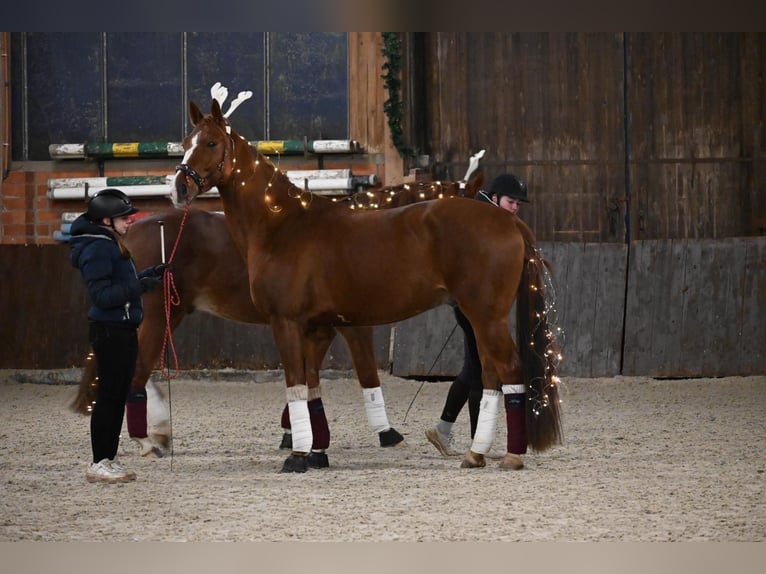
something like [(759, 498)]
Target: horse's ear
[(194, 113), (475, 183), (215, 111)]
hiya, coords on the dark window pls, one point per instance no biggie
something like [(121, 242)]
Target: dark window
[(93, 87)]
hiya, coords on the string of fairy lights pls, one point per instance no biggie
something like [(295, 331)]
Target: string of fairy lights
[(550, 356), (547, 319), (553, 335)]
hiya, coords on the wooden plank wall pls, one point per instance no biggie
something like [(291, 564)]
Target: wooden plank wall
[(697, 112), (367, 120), (693, 308), (546, 106), (696, 308), (586, 303), (566, 111), (43, 308)]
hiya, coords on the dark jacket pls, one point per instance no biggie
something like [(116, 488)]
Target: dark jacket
[(113, 284), (485, 197)]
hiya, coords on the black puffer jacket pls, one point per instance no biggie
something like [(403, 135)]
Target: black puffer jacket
[(113, 284)]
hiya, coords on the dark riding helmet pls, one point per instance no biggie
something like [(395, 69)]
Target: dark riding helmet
[(510, 185), (110, 203)]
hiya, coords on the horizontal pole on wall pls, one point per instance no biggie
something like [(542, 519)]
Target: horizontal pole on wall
[(68, 217), (128, 180), (175, 149), (321, 186)]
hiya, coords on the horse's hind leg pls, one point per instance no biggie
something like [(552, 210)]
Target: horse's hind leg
[(500, 366), (361, 346)]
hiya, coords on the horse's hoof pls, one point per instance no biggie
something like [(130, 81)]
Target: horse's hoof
[(148, 448), (511, 462), (154, 452), (318, 460), (473, 460), (287, 441), (161, 439), (295, 463), (391, 437)]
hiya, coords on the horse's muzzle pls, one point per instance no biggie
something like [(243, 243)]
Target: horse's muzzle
[(180, 192)]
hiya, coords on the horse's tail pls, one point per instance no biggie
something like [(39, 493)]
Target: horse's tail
[(538, 350), (86, 392)]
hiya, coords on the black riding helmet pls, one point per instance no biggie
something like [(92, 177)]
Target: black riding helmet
[(510, 185), (109, 203)]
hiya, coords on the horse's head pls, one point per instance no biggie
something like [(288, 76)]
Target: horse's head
[(207, 151)]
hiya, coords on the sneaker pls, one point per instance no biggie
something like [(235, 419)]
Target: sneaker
[(109, 471), (444, 444), (117, 465)]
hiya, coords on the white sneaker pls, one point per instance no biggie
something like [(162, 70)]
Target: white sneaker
[(117, 465), (110, 471), (445, 444)]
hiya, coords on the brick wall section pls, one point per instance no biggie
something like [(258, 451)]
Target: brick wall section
[(29, 217)]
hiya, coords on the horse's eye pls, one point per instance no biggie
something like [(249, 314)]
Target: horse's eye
[(211, 143)]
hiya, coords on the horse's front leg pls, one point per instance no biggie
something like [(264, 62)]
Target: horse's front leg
[(361, 346), (289, 338), (316, 344), (155, 437)]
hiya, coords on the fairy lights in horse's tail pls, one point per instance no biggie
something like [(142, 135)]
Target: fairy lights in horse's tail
[(539, 351)]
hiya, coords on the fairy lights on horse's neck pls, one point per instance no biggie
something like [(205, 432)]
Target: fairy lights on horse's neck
[(268, 197)]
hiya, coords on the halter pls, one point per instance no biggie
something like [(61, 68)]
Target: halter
[(200, 181)]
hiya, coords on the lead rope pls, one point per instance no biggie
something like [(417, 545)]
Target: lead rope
[(171, 299), (423, 382)]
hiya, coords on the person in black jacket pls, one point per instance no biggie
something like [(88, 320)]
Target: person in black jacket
[(507, 191), (114, 290)]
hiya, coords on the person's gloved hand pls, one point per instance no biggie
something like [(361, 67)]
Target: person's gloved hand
[(150, 283), (159, 270)]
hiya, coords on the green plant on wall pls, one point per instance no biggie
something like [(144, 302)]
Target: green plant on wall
[(393, 107)]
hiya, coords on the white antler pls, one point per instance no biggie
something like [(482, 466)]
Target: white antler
[(473, 164), (219, 92), (241, 97)]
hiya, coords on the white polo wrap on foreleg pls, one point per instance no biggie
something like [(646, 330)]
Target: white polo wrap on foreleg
[(486, 426), (298, 407), (376, 409)]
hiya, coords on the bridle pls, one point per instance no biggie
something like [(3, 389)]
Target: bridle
[(191, 173)]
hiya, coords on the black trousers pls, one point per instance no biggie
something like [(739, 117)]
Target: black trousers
[(467, 385), (116, 350)]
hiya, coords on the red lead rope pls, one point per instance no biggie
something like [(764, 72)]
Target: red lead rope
[(172, 299)]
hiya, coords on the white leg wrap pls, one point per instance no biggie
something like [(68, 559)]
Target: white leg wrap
[(486, 426), (297, 405), (157, 412), (376, 409), (315, 393), (513, 389)]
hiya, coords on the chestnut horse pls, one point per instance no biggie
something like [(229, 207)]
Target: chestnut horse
[(314, 266), (210, 276)]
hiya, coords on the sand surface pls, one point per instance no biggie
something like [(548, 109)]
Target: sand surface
[(643, 460)]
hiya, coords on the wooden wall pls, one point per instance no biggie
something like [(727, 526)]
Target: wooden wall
[(666, 128), (696, 308), (675, 308)]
